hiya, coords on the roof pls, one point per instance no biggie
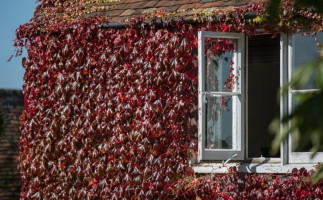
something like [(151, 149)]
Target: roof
[(121, 10), (11, 106)]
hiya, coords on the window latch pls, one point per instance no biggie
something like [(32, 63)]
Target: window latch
[(233, 156), (204, 98)]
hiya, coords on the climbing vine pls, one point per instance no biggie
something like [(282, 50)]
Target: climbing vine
[(108, 111)]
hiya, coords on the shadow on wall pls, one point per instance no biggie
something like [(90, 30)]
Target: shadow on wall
[(11, 106)]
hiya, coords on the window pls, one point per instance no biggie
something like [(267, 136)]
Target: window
[(220, 97), (263, 82), (238, 83), (302, 49)]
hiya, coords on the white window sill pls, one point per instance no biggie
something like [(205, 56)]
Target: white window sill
[(255, 166)]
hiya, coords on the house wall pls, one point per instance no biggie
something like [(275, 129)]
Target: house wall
[(105, 113), (107, 117), (11, 106)]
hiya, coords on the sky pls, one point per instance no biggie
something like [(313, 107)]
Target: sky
[(13, 13)]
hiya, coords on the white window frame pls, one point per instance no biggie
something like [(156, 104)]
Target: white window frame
[(296, 157), (237, 153), (288, 159)]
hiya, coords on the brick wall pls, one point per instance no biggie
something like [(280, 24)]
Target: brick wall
[(11, 106)]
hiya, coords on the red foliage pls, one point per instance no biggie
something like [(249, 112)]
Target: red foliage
[(105, 111), (108, 116), (236, 185)]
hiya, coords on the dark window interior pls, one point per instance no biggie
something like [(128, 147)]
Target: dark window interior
[(263, 85)]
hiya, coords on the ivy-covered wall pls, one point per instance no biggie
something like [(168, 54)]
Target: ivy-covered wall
[(108, 115)]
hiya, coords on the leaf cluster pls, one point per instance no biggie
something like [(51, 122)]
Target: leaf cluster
[(238, 185)]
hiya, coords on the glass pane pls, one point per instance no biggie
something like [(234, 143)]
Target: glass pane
[(219, 122), (305, 145), (305, 50), (221, 72)]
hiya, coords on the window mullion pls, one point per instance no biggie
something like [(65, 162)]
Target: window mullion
[(284, 69), (303, 91), (201, 102), (219, 94)]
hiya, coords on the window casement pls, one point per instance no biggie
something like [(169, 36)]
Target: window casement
[(220, 99), (301, 49), (229, 66)]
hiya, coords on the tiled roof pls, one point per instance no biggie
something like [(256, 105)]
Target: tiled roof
[(120, 10), (11, 106)]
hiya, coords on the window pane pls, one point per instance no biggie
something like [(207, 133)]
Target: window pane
[(305, 145), (305, 50), (220, 65), (219, 122)]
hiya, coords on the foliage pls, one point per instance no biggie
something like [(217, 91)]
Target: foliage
[(237, 185), (275, 7), (107, 106), (108, 110)]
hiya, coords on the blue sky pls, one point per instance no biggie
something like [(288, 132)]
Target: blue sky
[(13, 13)]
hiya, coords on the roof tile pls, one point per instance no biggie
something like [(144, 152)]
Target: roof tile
[(172, 3), (11, 105), (171, 8), (138, 12), (213, 4), (164, 3), (190, 6), (162, 8), (205, 1), (149, 10), (190, 12), (113, 13), (151, 4), (135, 5), (127, 12), (209, 10), (120, 7), (132, 1), (236, 2)]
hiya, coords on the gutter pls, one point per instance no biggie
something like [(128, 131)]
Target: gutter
[(120, 25)]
